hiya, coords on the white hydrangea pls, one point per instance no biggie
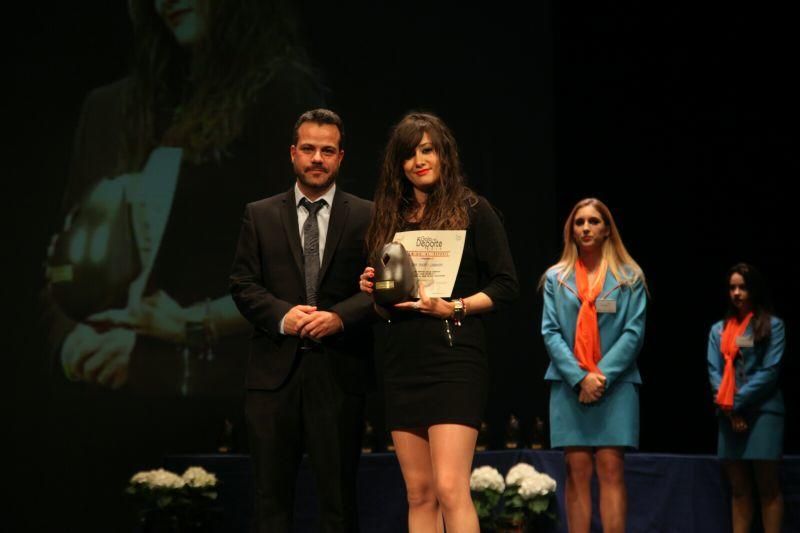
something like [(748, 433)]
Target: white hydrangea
[(486, 477), (167, 479), (520, 472), (158, 479), (536, 485), (141, 478), (198, 477)]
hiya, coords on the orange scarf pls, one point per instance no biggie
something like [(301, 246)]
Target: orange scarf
[(727, 345), (587, 333)]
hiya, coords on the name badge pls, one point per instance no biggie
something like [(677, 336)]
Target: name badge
[(744, 341), (606, 306)]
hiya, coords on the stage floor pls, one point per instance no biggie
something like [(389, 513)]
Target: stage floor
[(666, 493)]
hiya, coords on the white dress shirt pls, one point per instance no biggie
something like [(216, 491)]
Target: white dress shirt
[(323, 219), (323, 216)]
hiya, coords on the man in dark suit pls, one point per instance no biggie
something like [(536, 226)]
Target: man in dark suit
[(295, 278)]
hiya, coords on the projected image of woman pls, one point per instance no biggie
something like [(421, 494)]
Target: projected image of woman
[(219, 83), (593, 327), (745, 350), (432, 351), (219, 80)]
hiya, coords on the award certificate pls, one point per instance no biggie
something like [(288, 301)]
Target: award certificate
[(436, 255)]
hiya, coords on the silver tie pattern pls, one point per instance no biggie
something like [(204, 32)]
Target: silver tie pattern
[(311, 248)]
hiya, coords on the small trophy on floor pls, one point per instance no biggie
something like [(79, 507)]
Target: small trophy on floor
[(225, 439), (368, 440), (512, 433), (482, 443), (538, 434)]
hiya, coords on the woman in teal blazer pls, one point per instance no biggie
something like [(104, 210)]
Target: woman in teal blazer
[(751, 416), (593, 326)]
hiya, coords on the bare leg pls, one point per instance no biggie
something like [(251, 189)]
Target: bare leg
[(613, 495), (769, 492), (741, 495), (414, 456), (578, 491), (452, 448)]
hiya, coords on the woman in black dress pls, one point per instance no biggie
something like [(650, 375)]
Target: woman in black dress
[(432, 351)]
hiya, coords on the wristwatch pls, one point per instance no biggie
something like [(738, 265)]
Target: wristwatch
[(197, 335), (459, 311), (200, 334)]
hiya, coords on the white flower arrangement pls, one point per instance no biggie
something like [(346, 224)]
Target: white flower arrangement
[(521, 497), (183, 501), (158, 479), (536, 485), (530, 482), (520, 472), (197, 477), (486, 478)]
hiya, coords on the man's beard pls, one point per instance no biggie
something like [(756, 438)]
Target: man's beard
[(317, 186)]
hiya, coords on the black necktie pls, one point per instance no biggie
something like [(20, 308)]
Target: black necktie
[(311, 248)]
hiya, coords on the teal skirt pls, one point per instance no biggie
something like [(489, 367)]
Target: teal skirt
[(763, 439), (611, 421)]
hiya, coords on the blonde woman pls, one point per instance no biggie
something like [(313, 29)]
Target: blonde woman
[(593, 328)]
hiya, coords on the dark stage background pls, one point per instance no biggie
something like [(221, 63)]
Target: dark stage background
[(682, 122)]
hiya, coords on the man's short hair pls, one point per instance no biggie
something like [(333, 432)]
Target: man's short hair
[(320, 116)]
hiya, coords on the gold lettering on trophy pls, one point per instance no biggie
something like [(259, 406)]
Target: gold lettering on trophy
[(57, 274)]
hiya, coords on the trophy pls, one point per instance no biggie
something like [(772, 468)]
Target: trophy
[(368, 444), (539, 435), (395, 277), (513, 440), (93, 260), (482, 443), (225, 438), (101, 258), (389, 443)]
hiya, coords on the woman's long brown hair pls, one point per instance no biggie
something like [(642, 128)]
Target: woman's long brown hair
[(448, 201), (199, 99)]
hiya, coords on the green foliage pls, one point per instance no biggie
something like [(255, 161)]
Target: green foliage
[(486, 501), (539, 505), (501, 511)]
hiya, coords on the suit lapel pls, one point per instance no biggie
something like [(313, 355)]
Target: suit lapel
[(570, 285), (608, 284), (289, 220), (339, 212)]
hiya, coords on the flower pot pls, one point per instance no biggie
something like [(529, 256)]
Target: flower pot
[(171, 523), (512, 527)]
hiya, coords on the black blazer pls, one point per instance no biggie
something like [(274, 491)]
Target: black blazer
[(267, 280)]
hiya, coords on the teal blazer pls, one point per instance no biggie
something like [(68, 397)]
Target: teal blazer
[(757, 369), (621, 333)]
